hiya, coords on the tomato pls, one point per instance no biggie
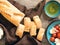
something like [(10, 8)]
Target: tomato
[(54, 35), (58, 35), (57, 27), (52, 39)]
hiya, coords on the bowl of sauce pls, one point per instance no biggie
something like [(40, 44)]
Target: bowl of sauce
[(52, 9)]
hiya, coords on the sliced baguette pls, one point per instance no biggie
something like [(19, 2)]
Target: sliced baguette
[(20, 30), (40, 34), (33, 29), (37, 21), (27, 23)]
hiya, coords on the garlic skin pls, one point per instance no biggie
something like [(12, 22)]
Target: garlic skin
[(1, 33), (53, 30)]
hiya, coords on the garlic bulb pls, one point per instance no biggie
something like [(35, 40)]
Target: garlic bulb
[(53, 30)]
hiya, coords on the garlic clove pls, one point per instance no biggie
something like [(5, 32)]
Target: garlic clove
[(53, 30)]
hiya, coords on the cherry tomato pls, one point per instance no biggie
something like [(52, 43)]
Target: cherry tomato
[(54, 35), (58, 35), (52, 39), (57, 27)]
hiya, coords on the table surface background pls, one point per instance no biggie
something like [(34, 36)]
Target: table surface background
[(46, 21)]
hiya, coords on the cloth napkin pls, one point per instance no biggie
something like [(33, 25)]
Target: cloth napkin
[(28, 40)]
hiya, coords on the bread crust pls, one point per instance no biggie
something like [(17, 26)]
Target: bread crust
[(40, 34), (10, 12), (37, 21), (27, 23), (33, 29), (20, 30)]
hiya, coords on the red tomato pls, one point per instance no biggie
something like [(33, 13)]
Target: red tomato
[(54, 35), (58, 35), (52, 39), (57, 27)]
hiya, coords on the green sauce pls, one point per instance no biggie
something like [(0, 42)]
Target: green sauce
[(52, 8)]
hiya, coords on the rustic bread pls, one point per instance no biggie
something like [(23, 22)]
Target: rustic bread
[(10, 12), (37, 21), (27, 23), (33, 29), (40, 34), (20, 30)]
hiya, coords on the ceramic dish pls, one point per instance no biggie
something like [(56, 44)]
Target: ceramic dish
[(52, 9), (48, 35)]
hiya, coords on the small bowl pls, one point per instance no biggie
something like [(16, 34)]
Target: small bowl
[(52, 9)]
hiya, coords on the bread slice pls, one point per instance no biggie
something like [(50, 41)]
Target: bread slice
[(33, 29), (20, 30), (37, 21), (27, 23), (10, 12), (40, 34)]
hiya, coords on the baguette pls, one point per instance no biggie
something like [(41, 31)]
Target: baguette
[(37, 21), (33, 29), (40, 34), (27, 23), (20, 30), (10, 12)]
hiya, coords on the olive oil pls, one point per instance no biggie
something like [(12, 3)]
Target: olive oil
[(52, 8)]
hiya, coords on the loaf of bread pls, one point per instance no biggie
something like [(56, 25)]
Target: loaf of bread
[(37, 21), (33, 29), (40, 34), (20, 30), (27, 23), (10, 12)]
